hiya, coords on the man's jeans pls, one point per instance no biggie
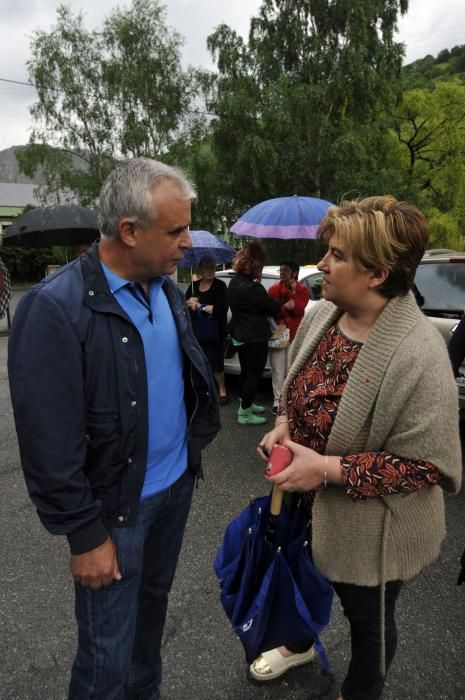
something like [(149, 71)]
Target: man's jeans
[(120, 627)]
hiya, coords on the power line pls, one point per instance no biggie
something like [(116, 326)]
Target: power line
[(17, 82), (48, 87)]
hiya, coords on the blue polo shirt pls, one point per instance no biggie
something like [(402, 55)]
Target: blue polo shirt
[(167, 439)]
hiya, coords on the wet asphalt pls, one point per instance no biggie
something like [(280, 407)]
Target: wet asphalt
[(202, 658)]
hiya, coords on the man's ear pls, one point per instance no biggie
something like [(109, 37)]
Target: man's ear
[(378, 277), (127, 232)]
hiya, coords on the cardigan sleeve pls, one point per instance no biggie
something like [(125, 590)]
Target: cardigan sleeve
[(426, 425), (372, 474)]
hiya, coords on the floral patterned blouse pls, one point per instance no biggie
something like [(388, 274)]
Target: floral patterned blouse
[(313, 400)]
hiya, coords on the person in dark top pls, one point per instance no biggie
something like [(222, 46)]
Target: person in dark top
[(456, 347), (208, 303), (250, 327)]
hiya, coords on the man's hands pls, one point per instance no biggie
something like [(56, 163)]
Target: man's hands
[(96, 568)]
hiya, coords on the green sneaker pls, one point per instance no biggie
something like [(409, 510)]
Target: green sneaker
[(256, 408), (245, 416)]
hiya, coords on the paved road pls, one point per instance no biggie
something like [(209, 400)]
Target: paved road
[(203, 660)]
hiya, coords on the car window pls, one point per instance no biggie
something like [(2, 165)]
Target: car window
[(313, 282), (442, 286)]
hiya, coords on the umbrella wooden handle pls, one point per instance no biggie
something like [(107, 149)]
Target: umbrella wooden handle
[(276, 500)]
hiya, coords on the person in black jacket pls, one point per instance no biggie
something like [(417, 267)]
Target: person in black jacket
[(456, 348), (250, 327), (208, 303), (113, 401)]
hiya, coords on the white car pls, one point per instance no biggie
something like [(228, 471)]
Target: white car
[(308, 275)]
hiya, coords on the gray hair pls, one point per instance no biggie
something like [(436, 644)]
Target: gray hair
[(127, 193)]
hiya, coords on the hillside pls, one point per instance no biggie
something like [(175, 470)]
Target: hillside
[(10, 172), (425, 72), (9, 168)]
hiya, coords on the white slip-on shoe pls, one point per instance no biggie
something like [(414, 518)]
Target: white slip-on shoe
[(272, 664)]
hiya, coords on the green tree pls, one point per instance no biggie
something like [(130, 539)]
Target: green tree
[(430, 127), (307, 90), (104, 95)]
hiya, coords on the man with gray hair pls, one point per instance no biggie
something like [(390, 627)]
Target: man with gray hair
[(113, 408)]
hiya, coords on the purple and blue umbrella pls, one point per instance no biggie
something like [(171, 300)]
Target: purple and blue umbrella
[(284, 217), (206, 243)]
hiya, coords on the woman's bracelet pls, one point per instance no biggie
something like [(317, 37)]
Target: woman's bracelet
[(281, 421), (325, 476)]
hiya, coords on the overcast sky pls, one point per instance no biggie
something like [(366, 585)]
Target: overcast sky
[(428, 27)]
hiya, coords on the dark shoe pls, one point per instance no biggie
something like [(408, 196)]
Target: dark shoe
[(223, 400)]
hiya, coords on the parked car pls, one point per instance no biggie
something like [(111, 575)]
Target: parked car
[(440, 282), (440, 287), (308, 275)]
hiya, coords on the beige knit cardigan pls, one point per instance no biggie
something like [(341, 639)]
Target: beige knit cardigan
[(401, 397)]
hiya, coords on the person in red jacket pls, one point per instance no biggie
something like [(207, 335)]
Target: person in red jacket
[(293, 298)]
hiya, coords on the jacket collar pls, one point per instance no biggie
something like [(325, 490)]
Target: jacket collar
[(97, 293), (98, 297)]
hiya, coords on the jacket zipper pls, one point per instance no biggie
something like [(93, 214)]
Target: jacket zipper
[(196, 398)]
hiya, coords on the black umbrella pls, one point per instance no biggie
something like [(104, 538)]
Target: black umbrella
[(65, 225)]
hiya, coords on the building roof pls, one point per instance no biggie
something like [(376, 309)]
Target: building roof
[(15, 194)]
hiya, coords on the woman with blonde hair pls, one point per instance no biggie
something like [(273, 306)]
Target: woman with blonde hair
[(369, 410)]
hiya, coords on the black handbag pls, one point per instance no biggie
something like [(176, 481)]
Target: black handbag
[(206, 328)]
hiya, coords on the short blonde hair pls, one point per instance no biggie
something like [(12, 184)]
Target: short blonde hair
[(382, 233)]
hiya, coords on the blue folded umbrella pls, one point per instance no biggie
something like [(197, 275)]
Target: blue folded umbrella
[(272, 597), (205, 244)]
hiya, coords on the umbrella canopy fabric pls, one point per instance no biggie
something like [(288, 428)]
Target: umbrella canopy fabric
[(272, 600), (46, 226), (206, 243), (283, 217)]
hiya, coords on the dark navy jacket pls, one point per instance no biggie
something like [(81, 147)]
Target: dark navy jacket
[(79, 391)]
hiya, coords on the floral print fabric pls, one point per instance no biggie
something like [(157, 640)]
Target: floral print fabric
[(313, 400)]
